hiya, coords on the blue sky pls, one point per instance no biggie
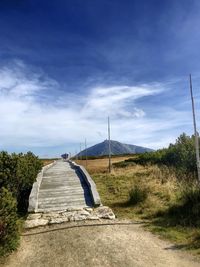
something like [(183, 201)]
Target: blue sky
[(65, 65)]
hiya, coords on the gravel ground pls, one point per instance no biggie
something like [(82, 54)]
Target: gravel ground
[(88, 244)]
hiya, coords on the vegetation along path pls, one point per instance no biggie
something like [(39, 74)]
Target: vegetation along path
[(63, 187)]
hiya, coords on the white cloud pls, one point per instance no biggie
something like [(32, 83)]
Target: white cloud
[(115, 100), (34, 114)]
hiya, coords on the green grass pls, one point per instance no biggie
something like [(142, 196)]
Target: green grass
[(187, 238)]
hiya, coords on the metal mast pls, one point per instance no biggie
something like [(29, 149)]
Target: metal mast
[(86, 152), (80, 152), (195, 131), (109, 147)]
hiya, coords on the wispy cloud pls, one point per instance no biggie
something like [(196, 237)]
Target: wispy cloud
[(35, 112), (117, 101)]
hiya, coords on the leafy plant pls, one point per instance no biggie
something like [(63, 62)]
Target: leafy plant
[(18, 172), (180, 155), (9, 224), (186, 209)]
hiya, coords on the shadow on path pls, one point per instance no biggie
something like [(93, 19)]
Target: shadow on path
[(81, 226), (84, 185)]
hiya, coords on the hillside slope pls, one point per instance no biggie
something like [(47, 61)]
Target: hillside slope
[(117, 148)]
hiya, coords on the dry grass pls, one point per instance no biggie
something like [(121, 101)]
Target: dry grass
[(115, 189), (99, 165), (162, 187), (47, 161)]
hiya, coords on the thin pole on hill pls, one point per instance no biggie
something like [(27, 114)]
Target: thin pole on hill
[(195, 130), (86, 152), (80, 152), (109, 148)]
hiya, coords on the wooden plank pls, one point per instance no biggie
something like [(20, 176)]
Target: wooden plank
[(63, 188)]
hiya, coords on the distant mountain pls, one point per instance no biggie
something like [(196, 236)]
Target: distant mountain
[(117, 148)]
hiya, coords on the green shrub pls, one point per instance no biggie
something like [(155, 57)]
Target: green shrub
[(123, 164), (137, 195), (28, 166), (180, 155), (9, 224), (8, 169), (185, 210), (18, 172)]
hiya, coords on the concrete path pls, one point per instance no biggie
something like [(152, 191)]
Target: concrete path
[(62, 188)]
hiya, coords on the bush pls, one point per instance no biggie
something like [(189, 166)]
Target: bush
[(137, 195), (9, 224), (123, 164), (8, 169), (180, 155), (28, 166), (18, 172), (185, 210)]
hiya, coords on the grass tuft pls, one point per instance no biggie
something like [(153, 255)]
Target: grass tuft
[(137, 195)]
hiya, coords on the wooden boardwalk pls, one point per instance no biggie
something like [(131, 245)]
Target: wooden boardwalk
[(63, 188)]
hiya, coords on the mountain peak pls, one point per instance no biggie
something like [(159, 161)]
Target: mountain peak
[(117, 148)]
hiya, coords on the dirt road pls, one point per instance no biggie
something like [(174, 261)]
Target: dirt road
[(80, 244)]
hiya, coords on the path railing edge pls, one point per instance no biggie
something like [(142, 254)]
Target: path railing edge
[(91, 184), (33, 198)]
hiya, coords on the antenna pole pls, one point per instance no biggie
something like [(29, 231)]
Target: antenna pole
[(195, 131), (86, 152), (80, 152), (109, 148)]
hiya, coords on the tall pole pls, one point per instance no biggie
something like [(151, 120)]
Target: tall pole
[(85, 153), (80, 152), (195, 131), (109, 148)]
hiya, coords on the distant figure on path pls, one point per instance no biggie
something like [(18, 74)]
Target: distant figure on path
[(65, 156)]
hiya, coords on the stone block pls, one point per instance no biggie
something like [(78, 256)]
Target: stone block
[(104, 213), (35, 223)]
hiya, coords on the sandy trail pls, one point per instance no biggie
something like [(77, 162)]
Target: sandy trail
[(80, 244)]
